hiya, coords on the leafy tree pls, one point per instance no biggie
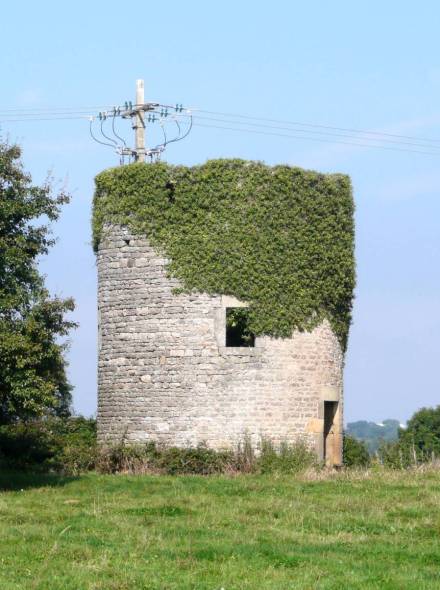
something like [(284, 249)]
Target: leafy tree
[(423, 432), (32, 366), (418, 443), (355, 452)]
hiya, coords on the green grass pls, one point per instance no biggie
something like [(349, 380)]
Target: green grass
[(346, 531)]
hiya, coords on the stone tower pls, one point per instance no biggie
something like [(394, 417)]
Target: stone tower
[(171, 370)]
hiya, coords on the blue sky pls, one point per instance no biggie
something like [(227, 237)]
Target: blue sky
[(368, 65)]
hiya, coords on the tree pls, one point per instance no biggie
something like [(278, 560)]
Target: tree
[(422, 433), (32, 366), (418, 443), (355, 452)]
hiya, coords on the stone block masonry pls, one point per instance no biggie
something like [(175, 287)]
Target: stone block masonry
[(165, 373)]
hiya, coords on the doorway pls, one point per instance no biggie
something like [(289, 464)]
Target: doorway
[(330, 409)]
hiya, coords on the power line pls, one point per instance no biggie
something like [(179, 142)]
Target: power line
[(325, 133), (44, 110), (38, 116), (331, 141), (89, 110), (55, 118), (302, 124), (254, 131), (235, 122)]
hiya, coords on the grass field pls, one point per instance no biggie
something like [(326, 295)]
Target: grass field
[(346, 531)]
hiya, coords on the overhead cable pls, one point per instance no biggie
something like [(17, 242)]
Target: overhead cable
[(302, 124), (322, 140)]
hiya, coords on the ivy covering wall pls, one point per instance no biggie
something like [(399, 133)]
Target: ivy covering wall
[(280, 238)]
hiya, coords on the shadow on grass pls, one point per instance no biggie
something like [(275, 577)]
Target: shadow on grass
[(11, 481)]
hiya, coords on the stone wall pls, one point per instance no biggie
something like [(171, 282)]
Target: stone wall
[(165, 373)]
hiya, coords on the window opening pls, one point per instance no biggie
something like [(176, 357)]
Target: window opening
[(171, 188), (237, 327)]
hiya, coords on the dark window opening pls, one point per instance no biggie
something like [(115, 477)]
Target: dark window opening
[(237, 327), (171, 187)]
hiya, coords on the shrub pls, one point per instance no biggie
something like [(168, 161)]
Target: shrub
[(151, 457), (125, 458), (200, 460), (69, 446), (66, 445), (355, 452), (288, 458), (244, 460), (395, 455)]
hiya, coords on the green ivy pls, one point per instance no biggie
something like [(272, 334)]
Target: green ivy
[(280, 238)]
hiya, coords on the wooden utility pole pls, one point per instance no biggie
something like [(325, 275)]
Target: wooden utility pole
[(139, 122)]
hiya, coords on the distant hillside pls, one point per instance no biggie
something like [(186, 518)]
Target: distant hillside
[(373, 434)]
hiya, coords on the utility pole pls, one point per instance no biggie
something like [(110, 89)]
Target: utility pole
[(155, 111), (139, 122)]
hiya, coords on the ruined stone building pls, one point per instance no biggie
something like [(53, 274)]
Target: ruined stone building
[(224, 301)]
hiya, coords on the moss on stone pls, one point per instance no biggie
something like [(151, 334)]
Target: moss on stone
[(280, 238)]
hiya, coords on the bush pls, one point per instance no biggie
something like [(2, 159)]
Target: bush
[(396, 455), (201, 460), (65, 445), (288, 458), (69, 446), (168, 460), (355, 452)]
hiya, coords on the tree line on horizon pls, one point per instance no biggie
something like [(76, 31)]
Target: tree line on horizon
[(374, 434)]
